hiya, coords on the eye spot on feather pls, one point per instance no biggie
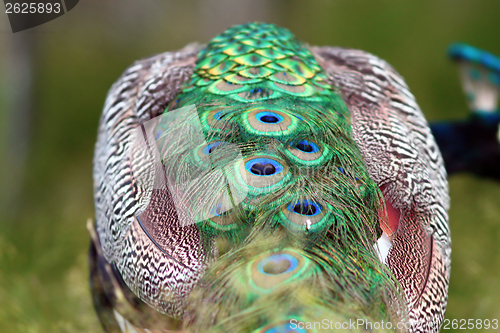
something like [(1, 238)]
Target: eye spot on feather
[(304, 215), (217, 119), (218, 153), (208, 149), (222, 217), (218, 115), (277, 264), (307, 152), (267, 122), (218, 210), (272, 269), (263, 172), (268, 117), (222, 223), (305, 207), (307, 146), (263, 167)]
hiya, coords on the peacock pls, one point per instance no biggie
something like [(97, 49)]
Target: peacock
[(259, 184), (473, 144)]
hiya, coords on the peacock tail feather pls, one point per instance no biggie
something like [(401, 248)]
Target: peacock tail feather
[(240, 189)]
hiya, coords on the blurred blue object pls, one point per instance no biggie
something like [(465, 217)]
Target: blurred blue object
[(473, 144), (460, 51)]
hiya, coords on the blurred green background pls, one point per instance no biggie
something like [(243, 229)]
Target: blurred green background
[(54, 79)]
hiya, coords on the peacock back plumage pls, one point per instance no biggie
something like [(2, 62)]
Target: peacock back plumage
[(265, 192)]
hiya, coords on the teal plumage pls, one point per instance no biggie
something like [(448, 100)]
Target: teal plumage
[(250, 203)]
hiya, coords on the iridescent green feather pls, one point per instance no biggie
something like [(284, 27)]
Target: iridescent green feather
[(260, 92)]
